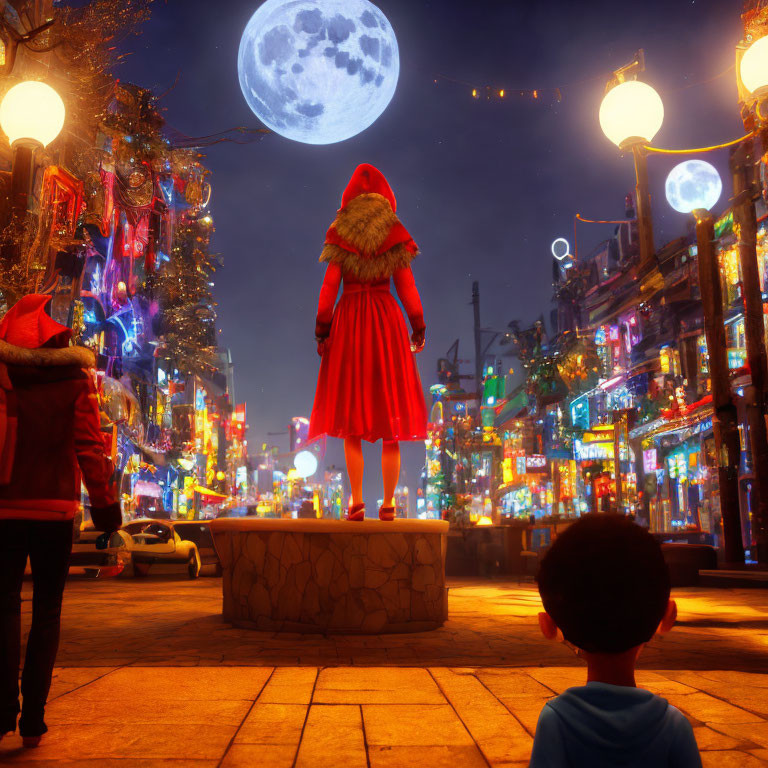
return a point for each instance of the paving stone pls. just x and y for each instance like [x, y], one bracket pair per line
[178, 683]
[730, 759]
[498, 734]
[512, 682]
[132, 741]
[117, 762]
[250, 755]
[756, 733]
[707, 739]
[66, 679]
[75, 710]
[273, 724]
[376, 685]
[426, 757]
[421, 725]
[333, 737]
[708, 709]
[290, 685]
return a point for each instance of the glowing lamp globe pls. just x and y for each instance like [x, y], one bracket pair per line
[32, 111]
[631, 113]
[305, 463]
[693, 185]
[318, 71]
[754, 67]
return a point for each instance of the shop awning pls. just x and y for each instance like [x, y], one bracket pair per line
[208, 492]
[147, 488]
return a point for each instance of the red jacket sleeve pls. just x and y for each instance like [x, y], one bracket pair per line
[405, 286]
[328, 294]
[97, 469]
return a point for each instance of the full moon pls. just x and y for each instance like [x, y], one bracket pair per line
[693, 185]
[318, 71]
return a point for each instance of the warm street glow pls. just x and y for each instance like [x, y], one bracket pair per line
[631, 113]
[32, 110]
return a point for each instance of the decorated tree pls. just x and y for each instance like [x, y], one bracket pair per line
[187, 320]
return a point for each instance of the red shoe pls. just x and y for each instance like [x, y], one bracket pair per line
[31, 742]
[386, 513]
[356, 513]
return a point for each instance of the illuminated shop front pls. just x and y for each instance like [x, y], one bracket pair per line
[680, 479]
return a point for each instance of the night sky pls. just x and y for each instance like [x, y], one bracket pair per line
[483, 187]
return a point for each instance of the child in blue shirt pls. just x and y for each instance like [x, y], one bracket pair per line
[605, 586]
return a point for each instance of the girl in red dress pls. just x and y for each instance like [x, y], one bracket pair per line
[369, 386]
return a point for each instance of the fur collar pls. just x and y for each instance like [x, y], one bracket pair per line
[45, 357]
[367, 239]
[366, 222]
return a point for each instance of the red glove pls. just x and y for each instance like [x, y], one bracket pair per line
[418, 339]
[107, 519]
[322, 345]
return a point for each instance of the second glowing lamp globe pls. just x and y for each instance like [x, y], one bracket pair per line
[754, 68]
[32, 112]
[631, 113]
[305, 464]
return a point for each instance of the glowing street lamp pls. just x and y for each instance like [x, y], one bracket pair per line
[305, 464]
[754, 68]
[631, 114]
[31, 116]
[32, 112]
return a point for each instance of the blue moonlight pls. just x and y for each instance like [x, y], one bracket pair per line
[692, 185]
[318, 71]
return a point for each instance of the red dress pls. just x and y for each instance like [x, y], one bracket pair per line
[369, 386]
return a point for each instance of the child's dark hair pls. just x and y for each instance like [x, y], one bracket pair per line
[605, 584]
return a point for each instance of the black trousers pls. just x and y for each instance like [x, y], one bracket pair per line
[48, 546]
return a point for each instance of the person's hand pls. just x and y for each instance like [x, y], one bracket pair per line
[417, 340]
[322, 345]
[107, 519]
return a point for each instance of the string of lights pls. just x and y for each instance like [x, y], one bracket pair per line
[549, 94]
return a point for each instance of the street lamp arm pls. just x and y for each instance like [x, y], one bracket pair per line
[698, 150]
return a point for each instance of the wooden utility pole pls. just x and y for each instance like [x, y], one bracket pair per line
[478, 344]
[725, 421]
[745, 221]
[643, 202]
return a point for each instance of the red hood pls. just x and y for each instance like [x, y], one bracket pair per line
[27, 325]
[366, 180]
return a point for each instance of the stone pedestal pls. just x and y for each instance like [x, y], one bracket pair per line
[335, 576]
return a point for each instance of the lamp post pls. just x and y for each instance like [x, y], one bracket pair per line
[694, 187]
[753, 90]
[32, 116]
[631, 114]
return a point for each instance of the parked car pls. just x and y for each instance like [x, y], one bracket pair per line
[170, 543]
[112, 561]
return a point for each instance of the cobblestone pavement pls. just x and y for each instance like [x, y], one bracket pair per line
[149, 675]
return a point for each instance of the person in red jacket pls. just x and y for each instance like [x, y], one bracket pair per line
[369, 387]
[49, 436]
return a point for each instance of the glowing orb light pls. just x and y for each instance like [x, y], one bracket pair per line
[305, 463]
[631, 113]
[32, 111]
[561, 248]
[754, 67]
[693, 185]
[318, 71]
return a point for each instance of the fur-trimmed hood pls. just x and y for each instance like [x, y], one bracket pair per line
[46, 357]
[367, 240]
